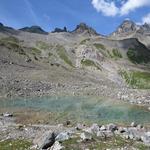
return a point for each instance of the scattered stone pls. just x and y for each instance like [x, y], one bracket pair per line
[67, 123]
[139, 126]
[133, 124]
[148, 134]
[112, 127]
[102, 128]
[101, 134]
[80, 126]
[95, 128]
[122, 130]
[86, 136]
[28, 60]
[7, 114]
[56, 146]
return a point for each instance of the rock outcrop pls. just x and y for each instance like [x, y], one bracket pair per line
[126, 28]
[58, 30]
[82, 28]
[34, 29]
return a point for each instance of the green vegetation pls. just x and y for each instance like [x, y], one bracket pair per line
[84, 41]
[15, 145]
[12, 43]
[87, 62]
[63, 55]
[99, 46]
[10, 39]
[50, 54]
[116, 53]
[115, 142]
[35, 51]
[137, 56]
[42, 45]
[102, 49]
[136, 79]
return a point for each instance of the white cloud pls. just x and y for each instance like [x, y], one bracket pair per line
[146, 19]
[109, 7]
[131, 5]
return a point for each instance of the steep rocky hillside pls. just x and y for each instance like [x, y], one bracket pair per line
[34, 63]
[128, 29]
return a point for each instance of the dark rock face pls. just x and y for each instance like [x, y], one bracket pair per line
[126, 28]
[57, 30]
[6, 29]
[1, 25]
[34, 29]
[83, 28]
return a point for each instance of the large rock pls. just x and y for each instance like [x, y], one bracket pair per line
[146, 140]
[112, 127]
[45, 140]
[63, 136]
[93, 129]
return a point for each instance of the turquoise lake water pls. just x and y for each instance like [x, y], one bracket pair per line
[90, 109]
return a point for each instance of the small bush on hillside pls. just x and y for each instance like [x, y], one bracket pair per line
[87, 62]
[116, 53]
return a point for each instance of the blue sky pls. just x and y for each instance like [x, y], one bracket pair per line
[102, 15]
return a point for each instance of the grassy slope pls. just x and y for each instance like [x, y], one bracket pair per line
[136, 79]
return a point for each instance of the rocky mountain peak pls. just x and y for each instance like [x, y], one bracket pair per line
[58, 30]
[83, 28]
[126, 28]
[33, 29]
[1, 25]
[144, 29]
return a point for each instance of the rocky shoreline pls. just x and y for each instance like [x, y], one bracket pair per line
[40, 89]
[67, 136]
